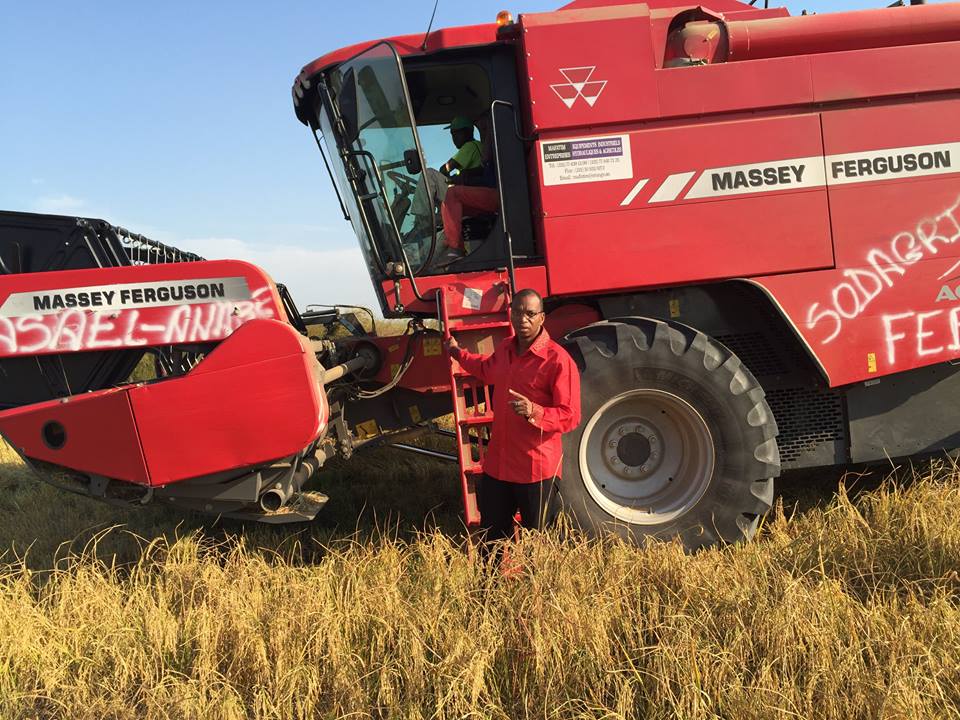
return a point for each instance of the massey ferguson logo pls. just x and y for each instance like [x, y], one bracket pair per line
[579, 84]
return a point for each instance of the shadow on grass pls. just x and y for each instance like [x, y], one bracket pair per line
[383, 493]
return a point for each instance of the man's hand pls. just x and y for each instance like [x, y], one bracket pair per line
[451, 344]
[521, 405]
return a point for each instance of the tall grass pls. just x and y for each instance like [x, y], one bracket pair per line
[848, 609]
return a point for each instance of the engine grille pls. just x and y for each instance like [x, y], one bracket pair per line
[756, 352]
[811, 421]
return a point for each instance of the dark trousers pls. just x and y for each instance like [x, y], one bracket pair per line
[499, 501]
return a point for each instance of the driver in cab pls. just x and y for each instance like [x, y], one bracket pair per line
[469, 154]
[468, 158]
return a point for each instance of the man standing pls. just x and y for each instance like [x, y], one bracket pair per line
[536, 400]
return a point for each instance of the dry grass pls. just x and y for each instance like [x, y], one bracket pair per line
[846, 610]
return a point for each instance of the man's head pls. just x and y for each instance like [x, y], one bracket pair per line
[526, 314]
[461, 130]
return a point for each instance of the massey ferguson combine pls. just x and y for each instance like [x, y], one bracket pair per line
[743, 224]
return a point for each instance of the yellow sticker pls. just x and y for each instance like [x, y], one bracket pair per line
[871, 362]
[432, 346]
[367, 429]
[394, 369]
[485, 345]
[675, 308]
[393, 348]
[415, 414]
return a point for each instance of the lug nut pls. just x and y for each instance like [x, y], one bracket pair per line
[612, 443]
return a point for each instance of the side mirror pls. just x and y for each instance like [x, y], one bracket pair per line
[411, 161]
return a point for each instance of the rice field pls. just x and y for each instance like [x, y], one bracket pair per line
[846, 606]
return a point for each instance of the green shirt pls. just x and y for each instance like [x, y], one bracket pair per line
[468, 156]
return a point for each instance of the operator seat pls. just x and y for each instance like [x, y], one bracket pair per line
[476, 227]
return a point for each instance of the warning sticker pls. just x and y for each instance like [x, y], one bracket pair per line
[583, 160]
[472, 298]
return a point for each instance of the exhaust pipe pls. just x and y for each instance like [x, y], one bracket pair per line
[287, 483]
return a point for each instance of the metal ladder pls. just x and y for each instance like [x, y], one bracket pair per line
[479, 319]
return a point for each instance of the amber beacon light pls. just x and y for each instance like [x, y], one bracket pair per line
[504, 18]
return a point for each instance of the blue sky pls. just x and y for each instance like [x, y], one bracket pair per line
[174, 119]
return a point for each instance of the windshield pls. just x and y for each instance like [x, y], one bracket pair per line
[379, 148]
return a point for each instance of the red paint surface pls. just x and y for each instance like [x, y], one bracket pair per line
[101, 434]
[253, 400]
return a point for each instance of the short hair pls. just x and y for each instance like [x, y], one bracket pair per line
[525, 293]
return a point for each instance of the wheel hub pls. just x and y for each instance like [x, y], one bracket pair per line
[634, 449]
[646, 456]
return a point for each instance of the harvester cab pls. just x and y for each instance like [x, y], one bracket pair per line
[382, 122]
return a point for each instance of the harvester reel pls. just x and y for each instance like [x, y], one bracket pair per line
[676, 438]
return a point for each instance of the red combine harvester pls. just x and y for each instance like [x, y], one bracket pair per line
[743, 224]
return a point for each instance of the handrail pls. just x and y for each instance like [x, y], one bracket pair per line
[429, 190]
[372, 160]
[508, 238]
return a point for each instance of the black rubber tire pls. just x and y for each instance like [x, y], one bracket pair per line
[625, 354]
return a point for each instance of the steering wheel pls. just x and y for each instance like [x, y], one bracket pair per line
[405, 183]
[408, 186]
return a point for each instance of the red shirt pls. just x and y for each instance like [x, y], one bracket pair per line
[525, 450]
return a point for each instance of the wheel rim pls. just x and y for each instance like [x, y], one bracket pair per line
[646, 456]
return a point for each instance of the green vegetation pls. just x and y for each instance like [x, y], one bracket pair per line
[849, 608]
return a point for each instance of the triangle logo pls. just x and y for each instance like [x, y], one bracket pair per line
[580, 84]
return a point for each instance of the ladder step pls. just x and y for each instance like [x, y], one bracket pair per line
[465, 326]
[456, 320]
[477, 420]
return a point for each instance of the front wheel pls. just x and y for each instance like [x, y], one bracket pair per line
[676, 438]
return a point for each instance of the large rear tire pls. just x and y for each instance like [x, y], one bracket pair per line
[675, 439]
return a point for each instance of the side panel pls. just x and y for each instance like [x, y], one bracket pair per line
[731, 87]
[907, 414]
[131, 307]
[97, 434]
[892, 303]
[254, 399]
[685, 204]
[904, 70]
[589, 67]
